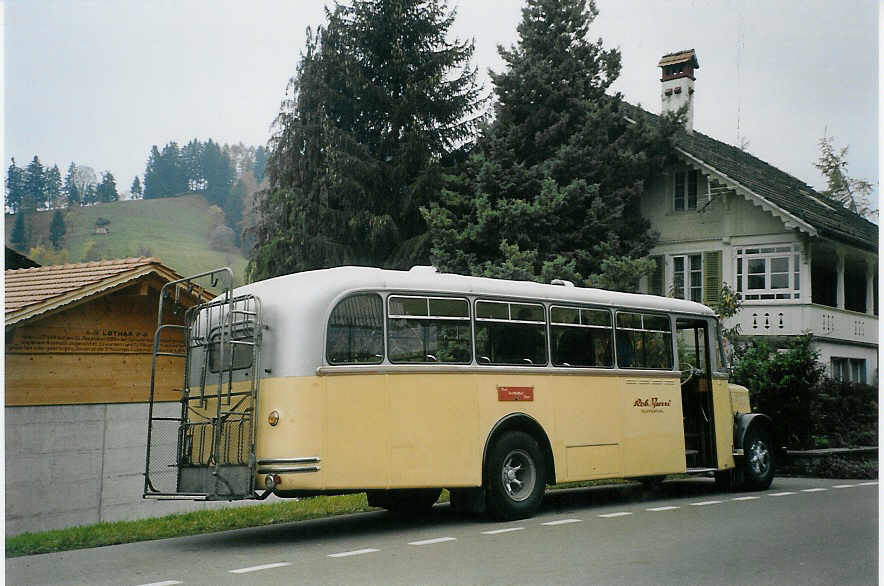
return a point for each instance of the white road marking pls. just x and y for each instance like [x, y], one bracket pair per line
[166, 583]
[612, 515]
[814, 489]
[868, 483]
[259, 568]
[561, 522]
[746, 498]
[704, 503]
[844, 486]
[499, 531]
[656, 509]
[432, 541]
[345, 554]
[784, 493]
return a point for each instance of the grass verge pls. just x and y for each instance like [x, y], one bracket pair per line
[182, 524]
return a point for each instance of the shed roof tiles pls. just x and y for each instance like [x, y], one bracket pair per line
[34, 291]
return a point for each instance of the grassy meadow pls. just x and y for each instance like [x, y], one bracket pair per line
[175, 230]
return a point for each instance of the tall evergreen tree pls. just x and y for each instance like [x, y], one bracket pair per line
[380, 101]
[53, 188]
[34, 196]
[191, 155]
[151, 174]
[260, 163]
[135, 192]
[217, 171]
[57, 229]
[15, 186]
[71, 191]
[107, 190]
[553, 188]
[19, 236]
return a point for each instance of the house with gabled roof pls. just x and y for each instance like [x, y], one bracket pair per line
[799, 261]
[79, 341]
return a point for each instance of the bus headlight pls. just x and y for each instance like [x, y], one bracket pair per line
[273, 418]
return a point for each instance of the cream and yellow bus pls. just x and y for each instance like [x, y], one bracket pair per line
[402, 383]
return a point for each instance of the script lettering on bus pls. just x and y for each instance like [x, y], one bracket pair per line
[515, 393]
[652, 404]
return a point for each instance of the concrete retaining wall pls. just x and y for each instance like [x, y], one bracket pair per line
[78, 465]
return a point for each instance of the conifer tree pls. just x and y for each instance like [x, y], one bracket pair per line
[552, 188]
[34, 195]
[107, 190]
[53, 188]
[57, 229]
[15, 186]
[380, 101]
[135, 191]
[71, 191]
[19, 236]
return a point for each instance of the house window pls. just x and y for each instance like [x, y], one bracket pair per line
[685, 191]
[770, 272]
[687, 277]
[849, 369]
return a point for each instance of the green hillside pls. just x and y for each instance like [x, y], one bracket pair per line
[175, 230]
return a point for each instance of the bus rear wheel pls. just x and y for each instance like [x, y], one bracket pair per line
[408, 501]
[515, 476]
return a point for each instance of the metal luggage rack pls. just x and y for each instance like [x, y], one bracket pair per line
[206, 451]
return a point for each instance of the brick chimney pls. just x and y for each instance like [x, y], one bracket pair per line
[677, 87]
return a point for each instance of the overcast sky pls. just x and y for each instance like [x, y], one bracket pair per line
[99, 82]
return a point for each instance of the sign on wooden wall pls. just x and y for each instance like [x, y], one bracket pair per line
[89, 340]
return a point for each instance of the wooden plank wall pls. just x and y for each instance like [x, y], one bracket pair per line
[96, 352]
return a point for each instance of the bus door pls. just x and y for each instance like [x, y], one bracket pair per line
[693, 338]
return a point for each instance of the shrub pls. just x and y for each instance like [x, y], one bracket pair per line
[102, 221]
[222, 238]
[782, 385]
[845, 414]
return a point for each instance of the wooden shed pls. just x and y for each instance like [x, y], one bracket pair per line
[83, 333]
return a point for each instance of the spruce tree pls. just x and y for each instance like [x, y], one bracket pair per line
[152, 174]
[57, 229]
[34, 195]
[380, 102]
[135, 191]
[107, 190]
[19, 236]
[553, 187]
[15, 186]
[53, 188]
[71, 191]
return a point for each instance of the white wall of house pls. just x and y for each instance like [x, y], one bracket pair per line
[729, 223]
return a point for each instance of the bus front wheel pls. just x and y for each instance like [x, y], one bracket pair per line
[758, 459]
[515, 476]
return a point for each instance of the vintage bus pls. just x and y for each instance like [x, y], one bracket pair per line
[402, 383]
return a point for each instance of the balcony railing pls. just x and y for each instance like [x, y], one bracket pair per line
[793, 319]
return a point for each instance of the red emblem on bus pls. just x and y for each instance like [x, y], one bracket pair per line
[515, 393]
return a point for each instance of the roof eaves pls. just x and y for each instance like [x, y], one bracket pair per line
[790, 220]
[82, 294]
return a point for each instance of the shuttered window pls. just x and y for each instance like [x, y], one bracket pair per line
[711, 276]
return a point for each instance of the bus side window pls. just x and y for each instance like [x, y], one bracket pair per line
[510, 333]
[428, 329]
[581, 337]
[644, 340]
[356, 331]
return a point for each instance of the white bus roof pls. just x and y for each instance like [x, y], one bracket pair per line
[328, 284]
[296, 307]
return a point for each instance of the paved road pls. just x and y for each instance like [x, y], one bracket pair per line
[801, 531]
